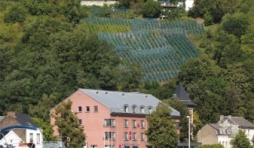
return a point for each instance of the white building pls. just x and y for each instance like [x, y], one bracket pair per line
[98, 3]
[17, 136]
[225, 130]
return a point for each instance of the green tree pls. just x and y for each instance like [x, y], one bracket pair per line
[183, 109]
[151, 9]
[161, 131]
[235, 24]
[16, 13]
[196, 69]
[208, 19]
[41, 110]
[47, 129]
[215, 9]
[241, 140]
[68, 126]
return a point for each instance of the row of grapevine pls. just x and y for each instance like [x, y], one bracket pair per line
[158, 53]
[187, 27]
[158, 47]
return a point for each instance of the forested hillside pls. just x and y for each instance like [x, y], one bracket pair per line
[221, 80]
[48, 51]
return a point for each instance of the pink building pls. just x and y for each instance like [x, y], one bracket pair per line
[114, 119]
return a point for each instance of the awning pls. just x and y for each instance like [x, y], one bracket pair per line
[135, 144]
[17, 126]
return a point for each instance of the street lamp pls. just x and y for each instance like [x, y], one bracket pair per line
[188, 117]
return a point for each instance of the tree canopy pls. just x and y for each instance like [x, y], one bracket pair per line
[68, 126]
[151, 9]
[161, 131]
[183, 109]
[241, 140]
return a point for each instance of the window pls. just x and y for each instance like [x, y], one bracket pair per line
[31, 136]
[134, 136]
[125, 123]
[87, 109]
[93, 146]
[109, 146]
[142, 136]
[177, 125]
[150, 109]
[95, 108]
[109, 122]
[38, 138]
[109, 135]
[80, 121]
[80, 109]
[134, 123]
[126, 109]
[133, 109]
[142, 123]
[142, 109]
[125, 135]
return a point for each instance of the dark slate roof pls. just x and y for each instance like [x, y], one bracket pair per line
[220, 130]
[183, 96]
[24, 119]
[243, 123]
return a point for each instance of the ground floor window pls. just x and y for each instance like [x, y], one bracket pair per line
[109, 146]
[93, 146]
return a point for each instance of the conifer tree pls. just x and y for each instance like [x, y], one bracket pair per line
[241, 141]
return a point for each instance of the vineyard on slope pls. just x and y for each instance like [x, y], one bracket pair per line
[158, 47]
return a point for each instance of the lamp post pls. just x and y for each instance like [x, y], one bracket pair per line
[188, 117]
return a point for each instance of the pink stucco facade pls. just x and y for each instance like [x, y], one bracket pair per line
[92, 116]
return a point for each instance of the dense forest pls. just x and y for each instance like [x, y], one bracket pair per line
[47, 52]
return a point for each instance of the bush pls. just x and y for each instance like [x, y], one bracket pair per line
[151, 9]
[16, 13]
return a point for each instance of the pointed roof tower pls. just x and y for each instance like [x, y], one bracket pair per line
[183, 96]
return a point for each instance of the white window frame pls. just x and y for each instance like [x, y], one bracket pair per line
[134, 136]
[142, 136]
[125, 136]
[109, 122]
[142, 123]
[38, 138]
[134, 123]
[125, 122]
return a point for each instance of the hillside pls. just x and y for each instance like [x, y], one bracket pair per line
[48, 50]
[159, 48]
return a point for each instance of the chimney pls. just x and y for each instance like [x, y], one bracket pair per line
[221, 117]
[11, 113]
